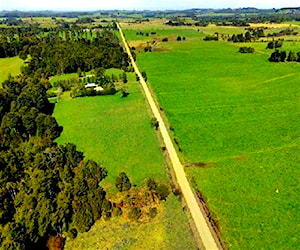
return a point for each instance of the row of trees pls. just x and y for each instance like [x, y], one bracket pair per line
[249, 36]
[282, 56]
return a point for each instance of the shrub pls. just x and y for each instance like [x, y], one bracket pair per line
[152, 212]
[246, 50]
[135, 213]
[151, 184]
[72, 233]
[211, 38]
[162, 191]
[122, 182]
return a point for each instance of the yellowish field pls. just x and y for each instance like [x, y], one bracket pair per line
[274, 25]
[10, 65]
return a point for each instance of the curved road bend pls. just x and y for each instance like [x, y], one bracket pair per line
[206, 236]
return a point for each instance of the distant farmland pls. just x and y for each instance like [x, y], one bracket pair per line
[238, 116]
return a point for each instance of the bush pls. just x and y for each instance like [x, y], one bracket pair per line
[162, 191]
[144, 75]
[152, 212]
[135, 213]
[165, 39]
[151, 184]
[122, 182]
[274, 44]
[116, 211]
[211, 38]
[246, 50]
[72, 233]
[278, 56]
[154, 123]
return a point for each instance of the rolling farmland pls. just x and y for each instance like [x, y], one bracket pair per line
[238, 116]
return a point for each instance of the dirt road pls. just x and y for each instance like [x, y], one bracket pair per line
[206, 236]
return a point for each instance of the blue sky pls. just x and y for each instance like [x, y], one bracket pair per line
[139, 4]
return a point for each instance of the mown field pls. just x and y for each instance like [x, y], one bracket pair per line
[10, 65]
[238, 114]
[117, 133]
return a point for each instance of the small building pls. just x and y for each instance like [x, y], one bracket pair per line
[93, 86]
[98, 88]
[90, 85]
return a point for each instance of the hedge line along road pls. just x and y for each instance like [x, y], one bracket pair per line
[208, 239]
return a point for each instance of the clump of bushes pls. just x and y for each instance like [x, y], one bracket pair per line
[211, 38]
[122, 182]
[275, 44]
[246, 50]
[161, 190]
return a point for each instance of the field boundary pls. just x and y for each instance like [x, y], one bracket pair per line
[208, 238]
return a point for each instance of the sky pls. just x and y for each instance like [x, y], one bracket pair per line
[83, 5]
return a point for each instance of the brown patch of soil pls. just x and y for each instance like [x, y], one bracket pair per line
[240, 157]
[199, 165]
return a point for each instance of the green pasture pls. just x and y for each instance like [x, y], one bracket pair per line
[9, 65]
[57, 78]
[116, 132]
[239, 115]
[132, 35]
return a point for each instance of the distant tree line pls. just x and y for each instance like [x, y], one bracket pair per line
[11, 21]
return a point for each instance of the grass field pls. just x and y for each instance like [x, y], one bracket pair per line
[106, 130]
[56, 78]
[10, 65]
[117, 133]
[239, 115]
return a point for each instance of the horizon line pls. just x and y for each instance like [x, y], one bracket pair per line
[138, 10]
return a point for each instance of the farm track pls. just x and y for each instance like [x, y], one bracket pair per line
[208, 238]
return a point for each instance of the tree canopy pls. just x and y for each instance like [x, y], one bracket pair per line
[45, 189]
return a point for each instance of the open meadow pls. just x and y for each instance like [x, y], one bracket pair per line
[105, 129]
[237, 116]
[10, 65]
[117, 133]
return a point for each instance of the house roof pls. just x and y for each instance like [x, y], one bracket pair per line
[90, 85]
